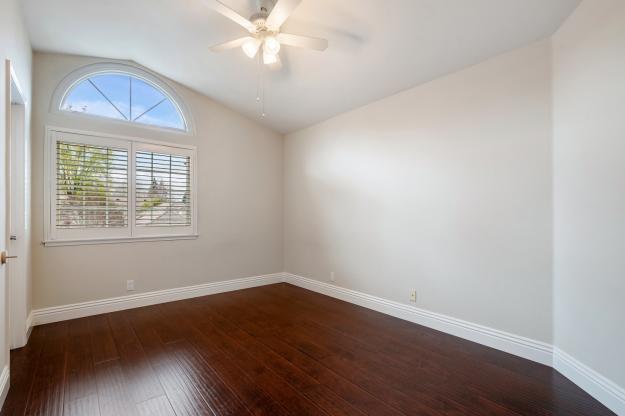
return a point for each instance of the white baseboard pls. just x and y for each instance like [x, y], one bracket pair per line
[538, 351]
[598, 386]
[29, 325]
[602, 389]
[79, 310]
[4, 385]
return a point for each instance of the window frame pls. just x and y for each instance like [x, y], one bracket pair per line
[83, 73]
[132, 233]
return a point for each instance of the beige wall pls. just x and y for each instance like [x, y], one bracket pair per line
[14, 45]
[239, 196]
[444, 188]
[589, 181]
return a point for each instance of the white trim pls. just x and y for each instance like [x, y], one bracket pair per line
[598, 386]
[17, 109]
[95, 307]
[601, 388]
[132, 144]
[15, 80]
[115, 240]
[29, 326]
[51, 128]
[534, 350]
[82, 73]
[5, 383]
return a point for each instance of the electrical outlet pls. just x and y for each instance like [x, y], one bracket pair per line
[332, 277]
[413, 296]
[130, 285]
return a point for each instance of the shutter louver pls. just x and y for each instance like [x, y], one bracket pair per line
[162, 190]
[91, 186]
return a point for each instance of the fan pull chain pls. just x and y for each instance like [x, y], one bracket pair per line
[260, 86]
[262, 91]
[258, 78]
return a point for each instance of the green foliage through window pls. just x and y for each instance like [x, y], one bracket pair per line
[91, 186]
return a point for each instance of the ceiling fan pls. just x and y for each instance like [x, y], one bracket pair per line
[264, 28]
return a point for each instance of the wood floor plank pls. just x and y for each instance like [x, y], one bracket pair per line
[24, 364]
[121, 329]
[157, 406]
[211, 387]
[412, 356]
[80, 379]
[183, 396]
[139, 376]
[83, 406]
[263, 384]
[357, 397]
[47, 391]
[114, 397]
[393, 398]
[180, 390]
[276, 350]
[102, 343]
[141, 380]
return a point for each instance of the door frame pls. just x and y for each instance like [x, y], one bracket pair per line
[17, 319]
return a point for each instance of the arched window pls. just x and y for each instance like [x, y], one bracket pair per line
[123, 93]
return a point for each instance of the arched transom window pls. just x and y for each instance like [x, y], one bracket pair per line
[126, 97]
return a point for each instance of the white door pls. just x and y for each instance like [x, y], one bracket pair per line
[16, 268]
[17, 206]
[4, 213]
[13, 126]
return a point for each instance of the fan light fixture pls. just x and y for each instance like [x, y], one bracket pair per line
[250, 47]
[272, 46]
[264, 31]
[269, 58]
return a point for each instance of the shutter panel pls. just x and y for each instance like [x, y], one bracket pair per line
[162, 190]
[91, 186]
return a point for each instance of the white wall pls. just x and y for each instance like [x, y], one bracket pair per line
[589, 185]
[14, 45]
[239, 195]
[445, 188]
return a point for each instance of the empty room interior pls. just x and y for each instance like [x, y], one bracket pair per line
[312, 207]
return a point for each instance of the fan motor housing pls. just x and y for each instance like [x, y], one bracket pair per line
[266, 5]
[259, 19]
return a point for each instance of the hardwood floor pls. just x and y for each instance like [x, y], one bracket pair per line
[274, 350]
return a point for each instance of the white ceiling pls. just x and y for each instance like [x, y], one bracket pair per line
[377, 47]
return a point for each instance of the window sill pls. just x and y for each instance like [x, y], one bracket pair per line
[116, 240]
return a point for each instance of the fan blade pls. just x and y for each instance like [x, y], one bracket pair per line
[303, 41]
[281, 11]
[230, 45]
[231, 14]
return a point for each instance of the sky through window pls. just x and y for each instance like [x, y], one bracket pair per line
[123, 97]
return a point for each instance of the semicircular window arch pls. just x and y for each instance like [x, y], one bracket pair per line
[126, 97]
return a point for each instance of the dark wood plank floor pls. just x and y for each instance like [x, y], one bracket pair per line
[275, 350]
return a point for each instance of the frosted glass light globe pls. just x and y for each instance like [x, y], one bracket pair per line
[250, 47]
[272, 46]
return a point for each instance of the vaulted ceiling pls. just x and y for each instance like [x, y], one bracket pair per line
[377, 47]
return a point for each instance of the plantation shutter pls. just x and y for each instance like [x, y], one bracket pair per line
[162, 189]
[91, 186]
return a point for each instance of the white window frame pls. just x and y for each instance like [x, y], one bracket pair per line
[56, 237]
[112, 67]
